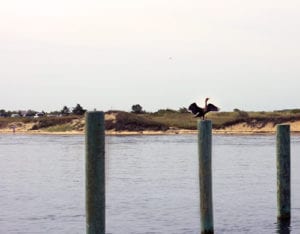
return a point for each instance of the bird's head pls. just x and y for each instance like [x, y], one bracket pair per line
[206, 99]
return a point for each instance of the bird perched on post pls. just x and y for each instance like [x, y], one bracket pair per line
[200, 112]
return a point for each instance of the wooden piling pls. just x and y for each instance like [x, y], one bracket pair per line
[205, 175]
[283, 172]
[95, 172]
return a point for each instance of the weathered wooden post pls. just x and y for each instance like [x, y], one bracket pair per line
[283, 172]
[205, 175]
[95, 172]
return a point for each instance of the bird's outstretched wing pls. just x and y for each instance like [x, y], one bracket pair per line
[211, 107]
[196, 110]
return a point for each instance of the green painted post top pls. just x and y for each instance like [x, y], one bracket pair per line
[283, 139]
[204, 134]
[94, 134]
[204, 127]
[283, 128]
[206, 123]
[94, 120]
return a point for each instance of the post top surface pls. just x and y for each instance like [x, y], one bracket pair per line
[287, 126]
[204, 121]
[94, 112]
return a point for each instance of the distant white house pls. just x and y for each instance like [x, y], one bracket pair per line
[39, 114]
[15, 116]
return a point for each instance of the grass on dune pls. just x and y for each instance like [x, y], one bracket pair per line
[188, 121]
[60, 128]
[223, 119]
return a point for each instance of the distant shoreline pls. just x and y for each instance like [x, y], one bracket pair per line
[147, 133]
[168, 123]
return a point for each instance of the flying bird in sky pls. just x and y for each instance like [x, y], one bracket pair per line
[200, 112]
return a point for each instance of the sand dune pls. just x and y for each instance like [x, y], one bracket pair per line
[244, 128]
[235, 129]
[240, 128]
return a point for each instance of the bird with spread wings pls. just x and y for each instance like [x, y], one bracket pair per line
[200, 112]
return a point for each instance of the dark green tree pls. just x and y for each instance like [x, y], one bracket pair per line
[78, 110]
[30, 113]
[65, 111]
[3, 113]
[137, 109]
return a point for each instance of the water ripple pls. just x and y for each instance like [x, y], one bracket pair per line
[152, 184]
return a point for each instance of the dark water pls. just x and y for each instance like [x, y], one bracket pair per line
[152, 184]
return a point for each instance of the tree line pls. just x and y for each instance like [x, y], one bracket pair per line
[138, 109]
[77, 110]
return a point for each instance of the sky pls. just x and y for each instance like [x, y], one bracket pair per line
[157, 53]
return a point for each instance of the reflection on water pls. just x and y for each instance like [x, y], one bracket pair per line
[283, 226]
[152, 184]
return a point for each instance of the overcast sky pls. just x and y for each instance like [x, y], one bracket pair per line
[156, 53]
